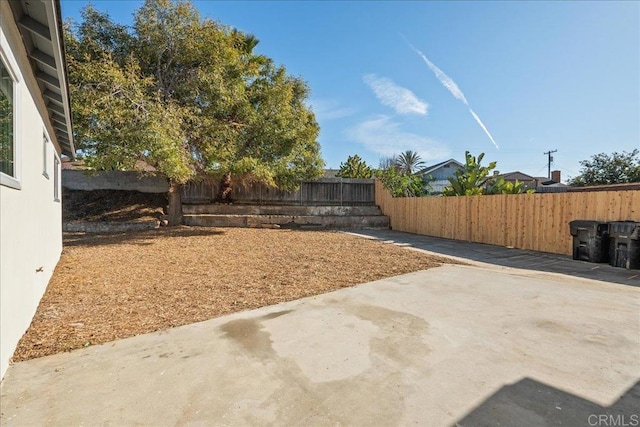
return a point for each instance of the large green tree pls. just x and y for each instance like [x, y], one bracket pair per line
[188, 96]
[401, 184]
[615, 168]
[354, 167]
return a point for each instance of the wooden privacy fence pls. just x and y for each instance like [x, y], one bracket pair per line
[537, 222]
[322, 192]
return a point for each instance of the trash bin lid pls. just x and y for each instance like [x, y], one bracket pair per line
[591, 226]
[630, 229]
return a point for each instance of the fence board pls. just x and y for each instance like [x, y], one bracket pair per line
[347, 192]
[537, 221]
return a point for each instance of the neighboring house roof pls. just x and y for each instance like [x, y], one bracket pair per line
[40, 24]
[549, 182]
[433, 168]
[517, 175]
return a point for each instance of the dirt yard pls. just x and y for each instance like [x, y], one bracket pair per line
[113, 286]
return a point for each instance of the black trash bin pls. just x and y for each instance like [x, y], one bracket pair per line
[624, 246]
[590, 240]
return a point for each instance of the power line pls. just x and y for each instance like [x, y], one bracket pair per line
[565, 169]
[541, 168]
[548, 153]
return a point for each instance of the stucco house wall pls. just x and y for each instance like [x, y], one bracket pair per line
[30, 206]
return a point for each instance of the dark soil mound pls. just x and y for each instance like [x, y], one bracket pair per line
[112, 205]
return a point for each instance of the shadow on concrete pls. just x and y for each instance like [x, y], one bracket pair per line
[141, 237]
[532, 403]
[509, 257]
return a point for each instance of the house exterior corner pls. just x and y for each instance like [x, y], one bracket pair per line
[35, 131]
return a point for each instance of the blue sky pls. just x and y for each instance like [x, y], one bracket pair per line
[539, 76]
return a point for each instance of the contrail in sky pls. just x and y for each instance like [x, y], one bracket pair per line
[484, 128]
[452, 87]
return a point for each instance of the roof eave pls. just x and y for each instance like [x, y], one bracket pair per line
[40, 25]
[54, 15]
[439, 165]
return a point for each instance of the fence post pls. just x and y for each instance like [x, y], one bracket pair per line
[341, 190]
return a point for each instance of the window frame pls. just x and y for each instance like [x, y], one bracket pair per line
[57, 172]
[45, 155]
[10, 65]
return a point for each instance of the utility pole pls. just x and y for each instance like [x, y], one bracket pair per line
[548, 153]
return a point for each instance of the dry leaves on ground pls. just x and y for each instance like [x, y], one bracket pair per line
[113, 286]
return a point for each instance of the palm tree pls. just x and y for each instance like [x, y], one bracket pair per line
[409, 162]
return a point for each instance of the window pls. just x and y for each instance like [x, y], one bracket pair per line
[10, 167]
[45, 156]
[7, 143]
[56, 178]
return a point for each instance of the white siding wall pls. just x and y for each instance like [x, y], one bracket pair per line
[436, 187]
[30, 219]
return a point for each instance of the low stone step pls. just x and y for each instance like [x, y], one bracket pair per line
[235, 209]
[290, 221]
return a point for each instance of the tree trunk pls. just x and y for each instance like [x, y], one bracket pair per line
[174, 212]
[224, 191]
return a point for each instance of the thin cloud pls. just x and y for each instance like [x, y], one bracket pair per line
[384, 137]
[390, 94]
[452, 87]
[330, 110]
[484, 128]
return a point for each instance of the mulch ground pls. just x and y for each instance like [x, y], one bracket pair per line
[113, 286]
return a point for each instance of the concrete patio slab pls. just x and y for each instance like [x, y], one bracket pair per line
[482, 254]
[461, 345]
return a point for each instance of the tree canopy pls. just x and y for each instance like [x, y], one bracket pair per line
[615, 168]
[474, 179]
[354, 167]
[409, 162]
[401, 184]
[471, 179]
[189, 96]
[397, 175]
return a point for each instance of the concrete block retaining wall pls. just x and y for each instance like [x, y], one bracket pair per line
[108, 227]
[114, 180]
